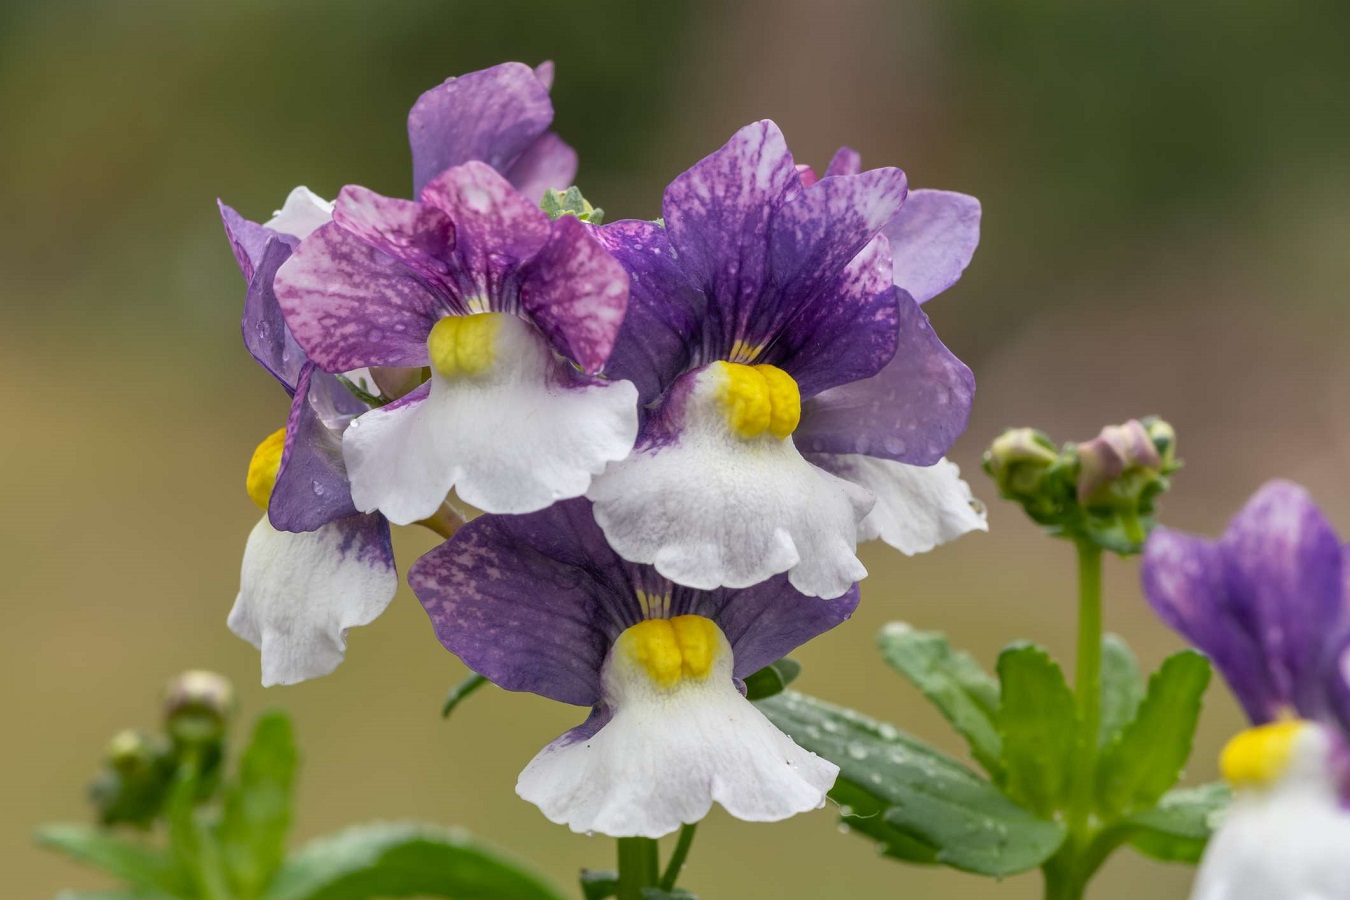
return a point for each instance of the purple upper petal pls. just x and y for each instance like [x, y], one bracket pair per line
[312, 487]
[534, 602]
[247, 239]
[932, 241]
[548, 163]
[493, 115]
[911, 412]
[846, 161]
[1268, 602]
[576, 293]
[264, 328]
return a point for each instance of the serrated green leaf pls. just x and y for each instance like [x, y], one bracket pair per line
[772, 679]
[1122, 688]
[152, 871]
[954, 682]
[257, 811]
[599, 885]
[926, 795]
[863, 813]
[1179, 827]
[1146, 759]
[1039, 721]
[460, 691]
[404, 860]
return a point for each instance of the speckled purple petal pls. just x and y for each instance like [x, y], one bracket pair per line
[247, 239]
[534, 602]
[1184, 581]
[718, 215]
[312, 487]
[496, 229]
[846, 161]
[932, 241]
[492, 115]
[264, 328]
[1284, 571]
[548, 163]
[661, 330]
[911, 412]
[352, 305]
[418, 235]
[576, 293]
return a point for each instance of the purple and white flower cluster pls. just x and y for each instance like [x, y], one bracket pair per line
[677, 432]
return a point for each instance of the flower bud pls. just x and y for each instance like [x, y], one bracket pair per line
[1017, 458]
[133, 753]
[1118, 450]
[133, 787]
[197, 707]
[570, 203]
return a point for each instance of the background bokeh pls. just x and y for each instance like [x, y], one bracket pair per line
[1166, 190]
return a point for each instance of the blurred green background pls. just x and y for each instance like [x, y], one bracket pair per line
[1166, 190]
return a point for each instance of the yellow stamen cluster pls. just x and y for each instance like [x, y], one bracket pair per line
[263, 468]
[759, 399]
[464, 345]
[671, 650]
[1258, 756]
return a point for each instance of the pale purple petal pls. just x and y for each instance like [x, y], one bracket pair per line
[352, 305]
[418, 235]
[766, 622]
[544, 72]
[1185, 583]
[247, 239]
[264, 328]
[492, 115]
[548, 163]
[312, 487]
[576, 293]
[1283, 566]
[846, 161]
[911, 412]
[932, 241]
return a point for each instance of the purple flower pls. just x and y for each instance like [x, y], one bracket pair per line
[793, 389]
[1269, 602]
[541, 603]
[513, 315]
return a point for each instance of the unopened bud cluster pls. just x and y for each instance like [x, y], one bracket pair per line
[1102, 490]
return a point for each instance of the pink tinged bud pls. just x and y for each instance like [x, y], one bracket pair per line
[1117, 450]
[808, 175]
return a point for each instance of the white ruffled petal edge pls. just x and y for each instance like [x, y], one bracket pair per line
[917, 507]
[510, 443]
[300, 592]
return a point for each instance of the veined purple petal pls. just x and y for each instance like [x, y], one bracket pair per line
[1285, 576]
[910, 412]
[576, 293]
[548, 163]
[534, 602]
[247, 239]
[418, 235]
[352, 305]
[846, 161]
[660, 335]
[264, 328]
[492, 115]
[932, 241]
[312, 487]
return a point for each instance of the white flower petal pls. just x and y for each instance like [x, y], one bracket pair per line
[1288, 841]
[917, 508]
[666, 756]
[510, 441]
[302, 213]
[300, 592]
[711, 509]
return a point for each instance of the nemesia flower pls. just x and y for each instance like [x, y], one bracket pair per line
[313, 566]
[1270, 604]
[759, 315]
[514, 315]
[541, 603]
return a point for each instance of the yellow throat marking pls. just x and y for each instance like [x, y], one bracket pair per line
[1258, 756]
[671, 650]
[464, 345]
[758, 399]
[263, 468]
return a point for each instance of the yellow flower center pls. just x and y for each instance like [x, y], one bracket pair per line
[1258, 756]
[671, 650]
[263, 468]
[758, 399]
[464, 345]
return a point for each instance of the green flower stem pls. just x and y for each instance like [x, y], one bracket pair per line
[678, 857]
[639, 867]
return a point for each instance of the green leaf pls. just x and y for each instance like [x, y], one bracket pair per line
[403, 860]
[651, 893]
[932, 799]
[1177, 829]
[953, 682]
[1146, 759]
[460, 691]
[147, 868]
[599, 885]
[257, 812]
[772, 679]
[862, 812]
[1122, 688]
[1039, 722]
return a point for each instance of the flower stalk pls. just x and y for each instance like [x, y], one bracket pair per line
[639, 866]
